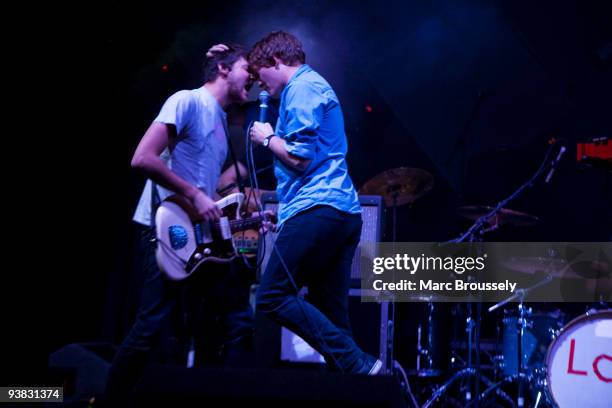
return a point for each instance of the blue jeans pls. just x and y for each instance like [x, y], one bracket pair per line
[315, 248]
[222, 288]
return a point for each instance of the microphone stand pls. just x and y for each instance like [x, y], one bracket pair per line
[475, 234]
[478, 227]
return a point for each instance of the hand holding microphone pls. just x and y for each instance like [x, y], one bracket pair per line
[260, 130]
[264, 97]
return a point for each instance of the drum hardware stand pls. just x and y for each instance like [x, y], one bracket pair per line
[423, 351]
[405, 383]
[442, 389]
[472, 370]
[473, 326]
[398, 186]
[473, 333]
[394, 190]
[521, 323]
[475, 233]
[496, 387]
[466, 372]
[390, 321]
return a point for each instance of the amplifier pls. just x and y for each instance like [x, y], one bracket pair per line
[596, 152]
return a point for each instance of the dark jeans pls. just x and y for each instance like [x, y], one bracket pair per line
[315, 248]
[222, 291]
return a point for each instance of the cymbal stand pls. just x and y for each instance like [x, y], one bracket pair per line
[479, 226]
[391, 317]
[473, 323]
[394, 190]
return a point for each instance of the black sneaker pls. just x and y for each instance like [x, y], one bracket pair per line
[369, 365]
[376, 367]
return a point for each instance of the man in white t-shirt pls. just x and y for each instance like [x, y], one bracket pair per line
[182, 153]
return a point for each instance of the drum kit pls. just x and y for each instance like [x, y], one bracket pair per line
[538, 357]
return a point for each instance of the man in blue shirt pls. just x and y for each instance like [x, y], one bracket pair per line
[319, 213]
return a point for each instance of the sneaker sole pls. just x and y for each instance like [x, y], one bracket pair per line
[375, 368]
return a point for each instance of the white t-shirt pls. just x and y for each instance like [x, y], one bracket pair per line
[200, 148]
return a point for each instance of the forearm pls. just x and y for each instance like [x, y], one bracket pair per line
[260, 132]
[278, 146]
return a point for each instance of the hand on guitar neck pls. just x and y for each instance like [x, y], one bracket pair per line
[253, 197]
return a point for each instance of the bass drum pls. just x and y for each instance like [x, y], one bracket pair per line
[579, 362]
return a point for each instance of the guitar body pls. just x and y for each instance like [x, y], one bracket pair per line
[183, 245]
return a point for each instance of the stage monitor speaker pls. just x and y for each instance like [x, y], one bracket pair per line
[371, 232]
[85, 366]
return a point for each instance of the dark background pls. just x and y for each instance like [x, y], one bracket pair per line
[96, 75]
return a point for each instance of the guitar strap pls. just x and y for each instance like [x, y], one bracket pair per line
[233, 156]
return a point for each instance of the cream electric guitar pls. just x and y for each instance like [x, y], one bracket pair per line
[183, 244]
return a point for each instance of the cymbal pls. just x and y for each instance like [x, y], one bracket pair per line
[405, 184]
[555, 267]
[504, 216]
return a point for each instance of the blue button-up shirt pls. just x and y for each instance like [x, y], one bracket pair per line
[311, 123]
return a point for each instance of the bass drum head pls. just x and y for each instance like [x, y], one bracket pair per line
[579, 362]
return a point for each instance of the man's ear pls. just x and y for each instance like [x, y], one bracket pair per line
[223, 70]
[277, 62]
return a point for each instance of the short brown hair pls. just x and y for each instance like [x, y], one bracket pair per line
[284, 46]
[224, 58]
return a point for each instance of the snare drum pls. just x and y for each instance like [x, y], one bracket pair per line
[579, 362]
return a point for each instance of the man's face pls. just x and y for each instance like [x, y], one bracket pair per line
[271, 80]
[239, 81]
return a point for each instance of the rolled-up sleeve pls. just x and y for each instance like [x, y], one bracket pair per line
[305, 106]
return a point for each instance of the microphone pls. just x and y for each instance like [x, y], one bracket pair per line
[264, 97]
[554, 163]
